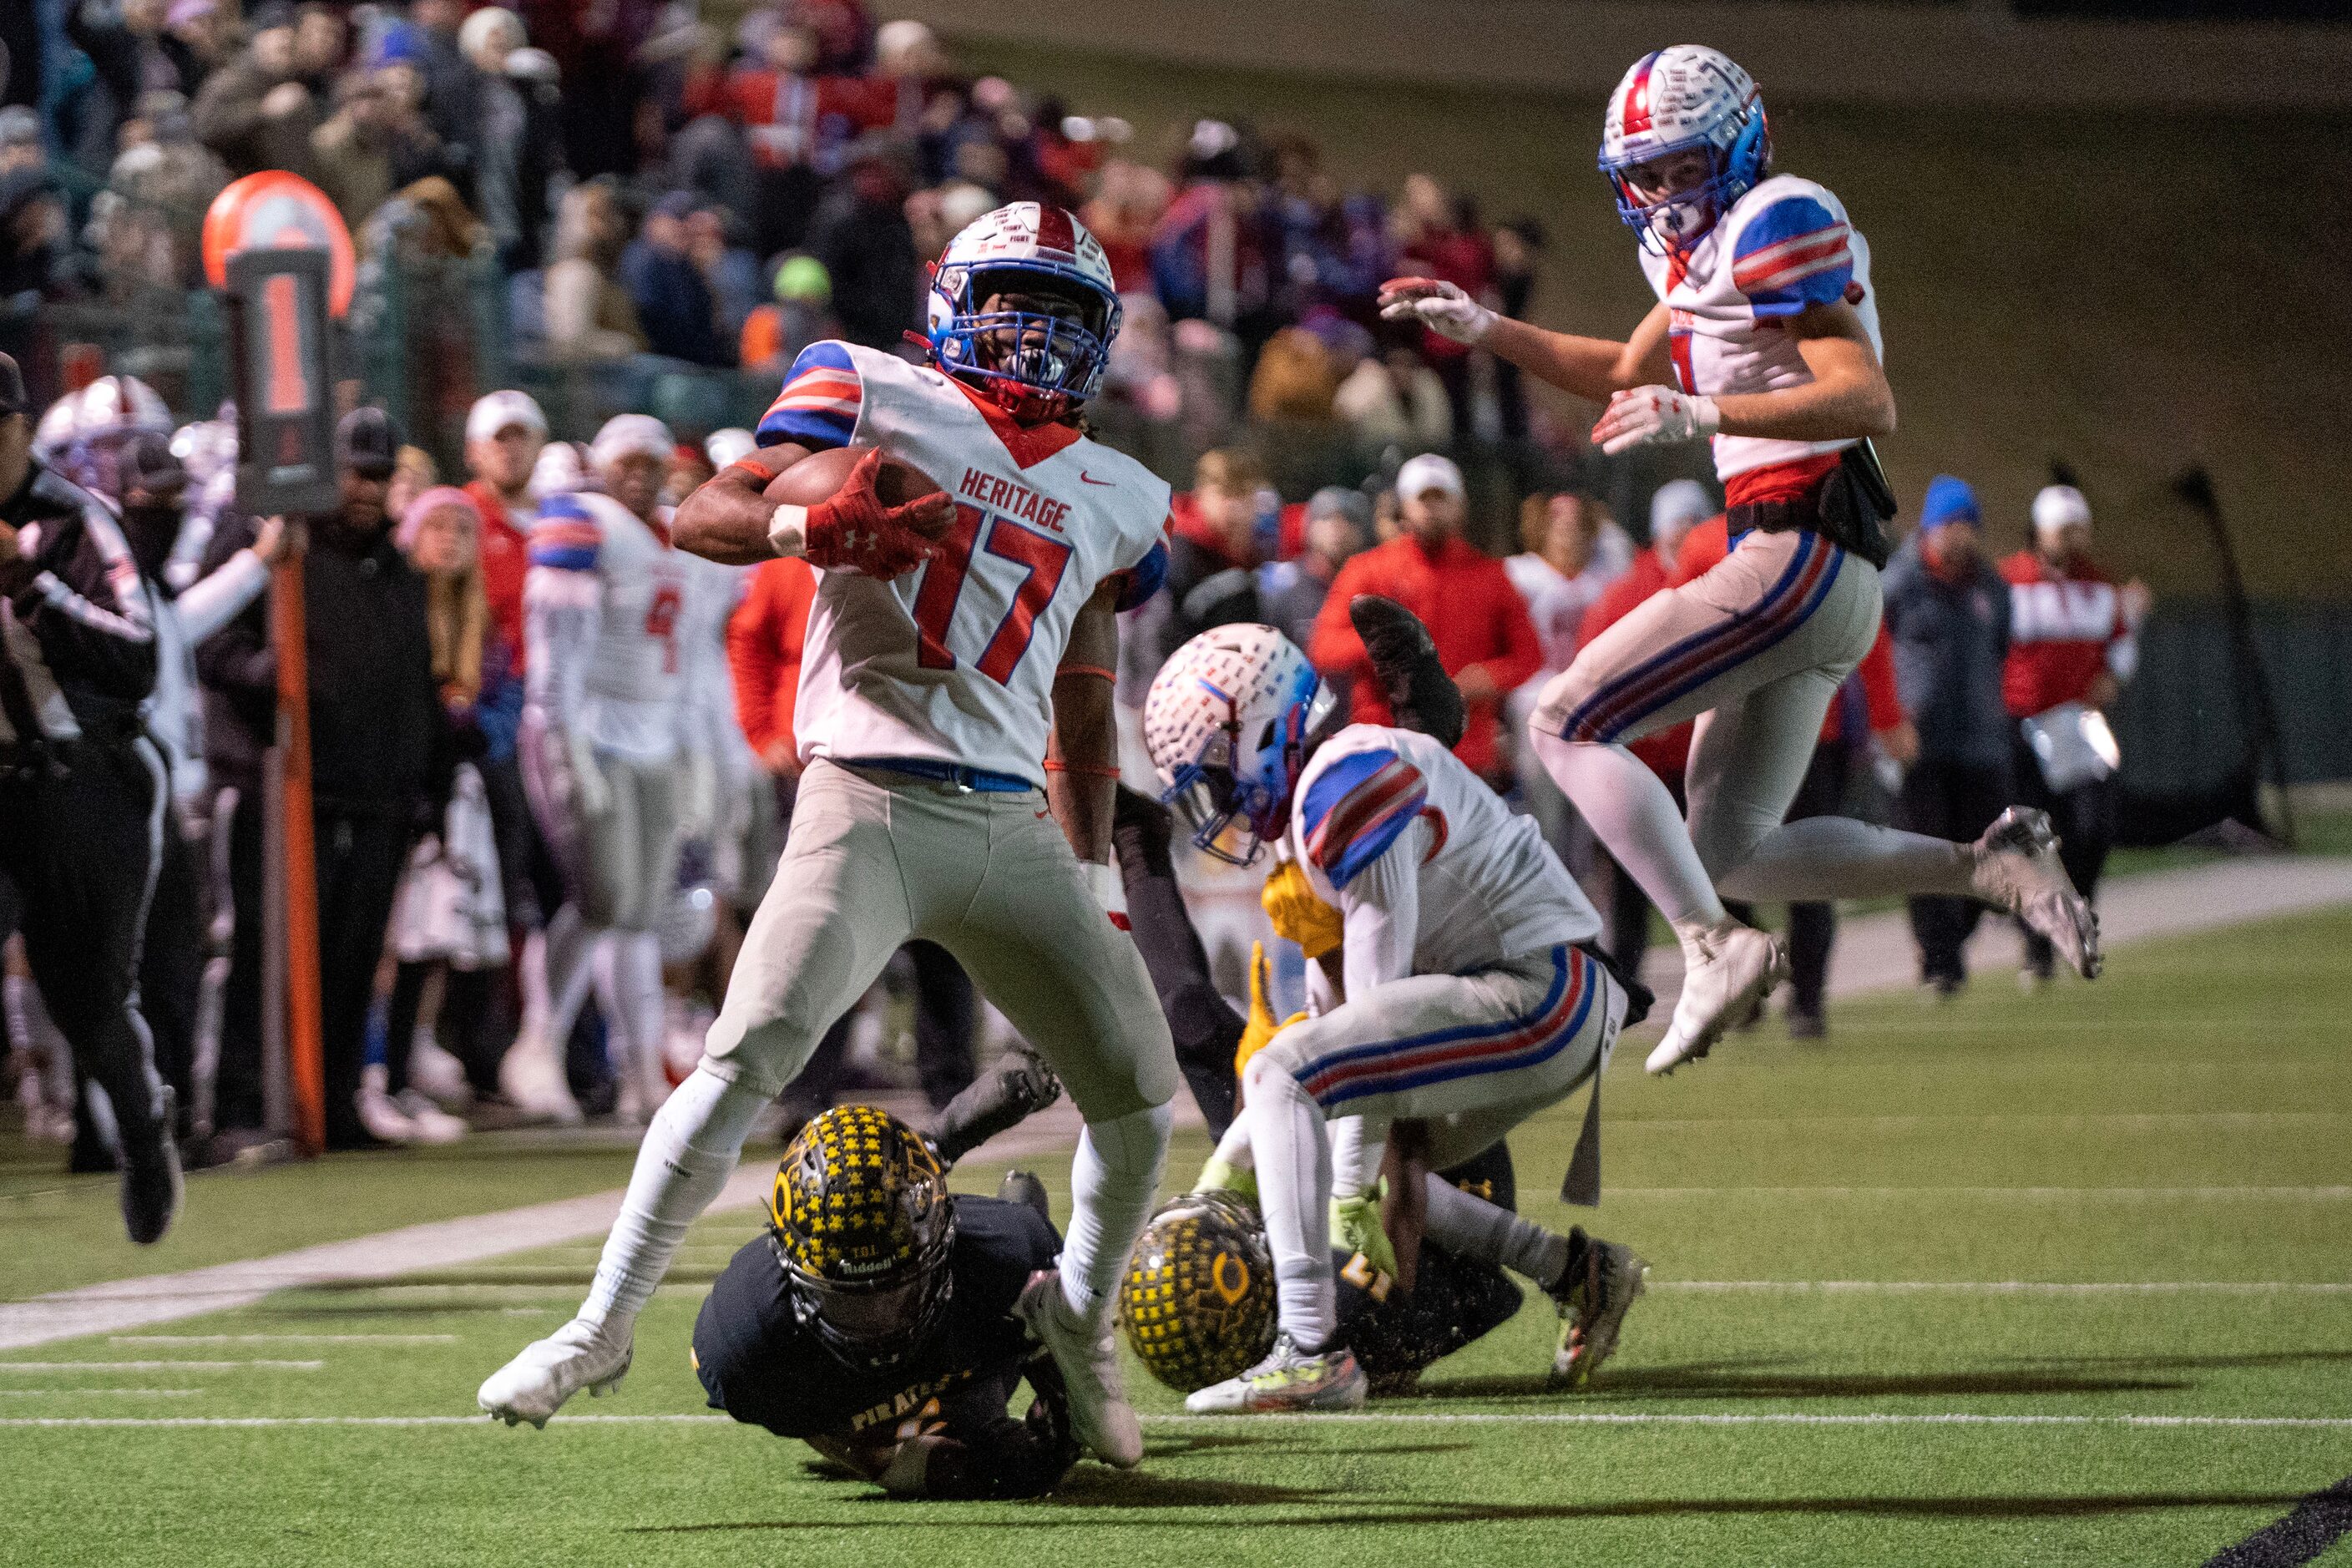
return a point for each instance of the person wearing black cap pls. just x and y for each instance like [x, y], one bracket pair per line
[150, 486]
[81, 793]
[380, 753]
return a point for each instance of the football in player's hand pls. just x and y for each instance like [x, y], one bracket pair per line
[818, 475]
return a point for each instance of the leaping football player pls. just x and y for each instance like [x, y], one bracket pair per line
[1469, 994]
[1766, 340]
[955, 696]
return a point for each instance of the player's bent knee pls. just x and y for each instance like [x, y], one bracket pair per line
[1133, 1144]
[1726, 840]
[1564, 710]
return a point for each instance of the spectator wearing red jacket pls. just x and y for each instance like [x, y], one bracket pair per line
[1477, 619]
[2072, 638]
[504, 433]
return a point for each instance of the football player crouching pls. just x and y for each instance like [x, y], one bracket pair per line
[1465, 997]
[1197, 1303]
[873, 1320]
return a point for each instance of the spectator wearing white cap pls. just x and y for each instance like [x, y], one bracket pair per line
[2073, 643]
[505, 436]
[505, 432]
[1477, 619]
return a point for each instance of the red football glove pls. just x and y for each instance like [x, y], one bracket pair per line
[852, 530]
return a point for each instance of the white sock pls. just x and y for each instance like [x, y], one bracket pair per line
[1294, 1189]
[1357, 1147]
[1824, 857]
[567, 972]
[690, 1150]
[631, 984]
[1113, 1180]
[1632, 814]
[1233, 1148]
[1489, 1232]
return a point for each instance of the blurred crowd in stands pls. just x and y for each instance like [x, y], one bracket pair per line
[651, 184]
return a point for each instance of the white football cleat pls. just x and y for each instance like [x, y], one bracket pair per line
[430, 1122]
[1100, 1416]
[378, 1113]
[1288, 1379]
[2017, 869]
[1727, 971]
[534, 1386]
[532, 1076]
[1593, 1301]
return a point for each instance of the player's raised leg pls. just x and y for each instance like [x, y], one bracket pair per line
[836, 912]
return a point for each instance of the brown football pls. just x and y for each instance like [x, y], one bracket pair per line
[816, 477]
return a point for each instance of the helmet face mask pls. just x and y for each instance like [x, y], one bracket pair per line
[861, 1221]
[1023, 308]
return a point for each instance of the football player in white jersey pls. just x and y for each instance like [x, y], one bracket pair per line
[617, 760]
[1768, 329]
[955, 700]
[1469, 994]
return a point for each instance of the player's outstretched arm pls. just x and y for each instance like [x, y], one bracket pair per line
[728, 519]
[1589, 367]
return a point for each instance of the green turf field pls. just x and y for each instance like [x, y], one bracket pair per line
[1876, 1334]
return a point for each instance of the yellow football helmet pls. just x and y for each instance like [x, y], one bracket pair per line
[1198, 1299]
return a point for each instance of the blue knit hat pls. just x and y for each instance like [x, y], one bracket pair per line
[1948, 499]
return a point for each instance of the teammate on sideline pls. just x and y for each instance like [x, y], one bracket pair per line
[944, 716]
[614, 750]
[1468, 996]
[1767, 327]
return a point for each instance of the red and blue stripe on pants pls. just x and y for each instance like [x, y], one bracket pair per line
[1392, 1067]
[1625, 700]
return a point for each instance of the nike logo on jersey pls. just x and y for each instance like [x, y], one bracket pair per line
[1088, 479]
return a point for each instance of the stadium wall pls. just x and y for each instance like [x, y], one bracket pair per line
[1925, 52]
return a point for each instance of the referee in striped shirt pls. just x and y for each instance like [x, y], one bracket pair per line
[82, 790]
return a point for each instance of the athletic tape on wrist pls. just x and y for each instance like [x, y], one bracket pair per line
[788, 530]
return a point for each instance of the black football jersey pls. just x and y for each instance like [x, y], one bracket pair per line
[761, 1366]
[1454, 1300]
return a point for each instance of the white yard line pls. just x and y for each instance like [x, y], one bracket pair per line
[2014, 1287]
[60, 1392]
[281, 1339]
[1388, 1417]
[161, 1365]
[2070, 1194]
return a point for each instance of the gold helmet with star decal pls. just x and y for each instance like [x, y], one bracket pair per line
[861, 1220]
[1197, 1296]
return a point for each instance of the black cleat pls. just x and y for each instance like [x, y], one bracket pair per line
[1420, 695]
[1024, 1187]
[151, 1185]
[1016, 1087]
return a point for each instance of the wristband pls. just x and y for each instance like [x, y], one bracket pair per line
[788, 530]
[1091, 769]
[1097, 670]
